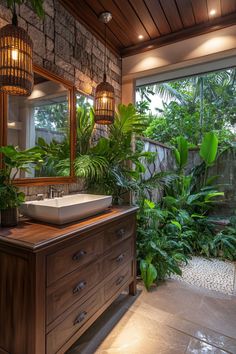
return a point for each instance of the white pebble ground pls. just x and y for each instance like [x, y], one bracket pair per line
[212, 274]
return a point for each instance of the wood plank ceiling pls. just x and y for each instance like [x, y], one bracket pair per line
[140, 25]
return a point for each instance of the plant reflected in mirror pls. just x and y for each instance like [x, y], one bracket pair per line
[42, 119]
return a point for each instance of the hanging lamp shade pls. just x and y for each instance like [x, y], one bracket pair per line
[104, 103]
[16, 60]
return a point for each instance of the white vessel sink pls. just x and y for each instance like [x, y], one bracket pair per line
[67, 209]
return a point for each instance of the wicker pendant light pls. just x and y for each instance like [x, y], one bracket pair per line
[105, 94]
[16, 63]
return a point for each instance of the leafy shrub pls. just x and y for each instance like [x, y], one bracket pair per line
[179, 227]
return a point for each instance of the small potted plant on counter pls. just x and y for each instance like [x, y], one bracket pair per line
[12, 162]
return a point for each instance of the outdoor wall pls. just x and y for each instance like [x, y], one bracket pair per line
[65, 47]
[163, 162]
[224, 168]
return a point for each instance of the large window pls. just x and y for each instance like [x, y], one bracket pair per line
[190, 107]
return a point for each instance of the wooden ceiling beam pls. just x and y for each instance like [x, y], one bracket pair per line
[203, 28]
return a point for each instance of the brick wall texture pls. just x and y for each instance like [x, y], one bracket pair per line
[65, 47]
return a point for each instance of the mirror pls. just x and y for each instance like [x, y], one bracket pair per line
[44, 119]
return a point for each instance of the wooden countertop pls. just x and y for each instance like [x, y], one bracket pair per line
[35, 235]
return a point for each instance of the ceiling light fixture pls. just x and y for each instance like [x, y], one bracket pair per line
[140, 36]
[16, 59]
[212, 12]
[105, 94]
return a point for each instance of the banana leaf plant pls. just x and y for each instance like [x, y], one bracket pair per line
[208, 151]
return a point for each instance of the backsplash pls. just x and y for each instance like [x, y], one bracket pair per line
[32, 192]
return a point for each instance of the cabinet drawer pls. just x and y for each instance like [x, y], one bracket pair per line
[73, 322]
[73, 257]
[70, 289]
[119, 231]
[118, 256]
[114, 284]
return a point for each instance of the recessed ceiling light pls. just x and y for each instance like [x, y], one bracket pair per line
[140, 36]
[212, 12]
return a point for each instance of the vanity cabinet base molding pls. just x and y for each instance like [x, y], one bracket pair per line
[55, 281]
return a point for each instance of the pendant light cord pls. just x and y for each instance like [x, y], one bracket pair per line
[105, 53]
[14, 15]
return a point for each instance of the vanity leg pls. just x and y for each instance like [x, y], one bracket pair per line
[133, 288]
[133, 285]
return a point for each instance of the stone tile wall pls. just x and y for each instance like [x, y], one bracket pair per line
[32, 192]
[65, 47]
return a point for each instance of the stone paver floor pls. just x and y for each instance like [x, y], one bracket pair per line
[174, 318]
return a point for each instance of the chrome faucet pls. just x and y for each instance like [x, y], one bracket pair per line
[51, 193]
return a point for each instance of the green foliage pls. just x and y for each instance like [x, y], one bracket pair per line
[148, 272]
[13, 162]
[181, 152]
[55, 156]
[182, 103]
[107, 165]
[179, 226]
[84, 127]
[37, 5]
[10, 197]
[53, 117]
[209, 147]
[110, 166]
[155, 245]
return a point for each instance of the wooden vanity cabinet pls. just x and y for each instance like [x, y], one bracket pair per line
[55, 281]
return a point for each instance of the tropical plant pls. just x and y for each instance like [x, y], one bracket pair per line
[111, 166]
[14, 161]
[53, 116]
[179, 226]
[181, 152]
[148, 272]
[52, 153]
[193, 106]
[224, 244]
[158, 254]
[85, 123]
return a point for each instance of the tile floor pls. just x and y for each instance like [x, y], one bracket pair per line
[173, 318]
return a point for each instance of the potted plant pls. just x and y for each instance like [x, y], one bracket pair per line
[12, 162]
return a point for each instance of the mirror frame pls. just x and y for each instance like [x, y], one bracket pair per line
[37, 181]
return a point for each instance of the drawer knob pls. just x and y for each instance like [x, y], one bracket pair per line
[121, 232]
[120, 258]
[120, 279]
[79, 287]
[80, 317]
[77, 256]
